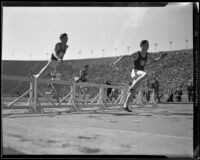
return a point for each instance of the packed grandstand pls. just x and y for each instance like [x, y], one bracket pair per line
[173, 71]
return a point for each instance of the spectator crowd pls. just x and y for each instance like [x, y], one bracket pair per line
[170, 76]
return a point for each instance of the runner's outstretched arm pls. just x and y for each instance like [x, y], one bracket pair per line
[161, 56]
[120, 58]
[134, 56]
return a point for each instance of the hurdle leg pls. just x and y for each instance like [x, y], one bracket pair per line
[74, 102]
[138, 101]
[73, 98]
[101, 98]
[30, 99]
[35, 96]
[123, 96]
[152, 99]
[35, 100]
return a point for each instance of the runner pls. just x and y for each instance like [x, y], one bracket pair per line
[54, 62]
[83, 78]
[109, 91]
[138, 74]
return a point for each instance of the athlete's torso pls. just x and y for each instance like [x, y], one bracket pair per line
[140, 62]
[62, 48]
[83, 74]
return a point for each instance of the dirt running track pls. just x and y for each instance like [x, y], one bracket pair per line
[164, 130]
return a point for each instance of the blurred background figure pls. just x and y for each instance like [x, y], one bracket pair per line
[109, 91]
[114, 95]
[190, 91]
[171, 96]
[155, 86]
[83, 78]
[178, 94]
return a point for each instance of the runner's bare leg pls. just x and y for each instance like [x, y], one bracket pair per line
[135, 85]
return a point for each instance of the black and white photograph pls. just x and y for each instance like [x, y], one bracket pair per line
[98, 79]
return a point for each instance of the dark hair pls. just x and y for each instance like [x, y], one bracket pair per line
[108, 82]
[143, 42]
[63, 35]
[86, 66]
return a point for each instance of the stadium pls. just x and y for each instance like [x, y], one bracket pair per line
[171, 113]
[62, 113]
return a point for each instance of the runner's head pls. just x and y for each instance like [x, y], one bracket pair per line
[108, 82]
[144, 45]
[64, 37]
[86, 66]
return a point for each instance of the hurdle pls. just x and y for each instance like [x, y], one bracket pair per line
[140, 100]
[34, 105]
[121, 98]
[71, 101]
[100, 98]
[30, 92]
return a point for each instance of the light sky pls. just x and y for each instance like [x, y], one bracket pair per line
[30, 33]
